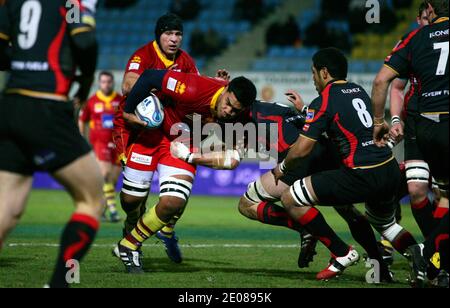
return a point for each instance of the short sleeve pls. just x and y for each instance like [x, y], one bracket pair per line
[316, 119]
[138, 62]
[398, 60]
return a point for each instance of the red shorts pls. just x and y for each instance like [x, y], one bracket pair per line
[152, 148]
[105, 151]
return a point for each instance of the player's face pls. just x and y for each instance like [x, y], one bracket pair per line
[422, 20]
[106, 84]
[171, 42]
[228, 107]
[318, 82]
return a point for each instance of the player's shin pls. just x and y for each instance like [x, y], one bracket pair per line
[75, 243]
[146, 227]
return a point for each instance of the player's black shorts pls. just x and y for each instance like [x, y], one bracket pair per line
[323, 157]
[412, 151]
[343, 186]
[433, 139]
[38, 135]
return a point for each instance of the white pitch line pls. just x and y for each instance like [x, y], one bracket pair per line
[195, 246]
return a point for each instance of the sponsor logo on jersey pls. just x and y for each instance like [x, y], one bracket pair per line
[368, 143]
[99, 108]
[180, 88]
[136, 59]
[172, 84]
[306, 128]
[351, 91]
[310, 115]
[134, 66]
[439, 33]
[141, 159]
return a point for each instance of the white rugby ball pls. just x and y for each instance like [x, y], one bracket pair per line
[150, 111]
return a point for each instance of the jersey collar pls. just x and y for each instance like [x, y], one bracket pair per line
[439, 19]
[168, 63]
[106, 99]
[214, 100]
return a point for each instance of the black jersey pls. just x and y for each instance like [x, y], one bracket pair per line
[288, 121]
[424, 53]
[344, 112]
[40, 32]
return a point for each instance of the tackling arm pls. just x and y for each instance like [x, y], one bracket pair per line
[150, 79]
[226, 160]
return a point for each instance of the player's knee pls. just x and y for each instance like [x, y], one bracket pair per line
[245, 207]
[417, 177]
[174, 194]
[170, 207]
[385, 225]
[298, 195]
[130, 203]
[418, 191]
[256, 193]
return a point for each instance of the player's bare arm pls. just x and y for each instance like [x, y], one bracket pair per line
[224, 160]
[295, 98]
[379, 95]
[397, 104]
[128, 83]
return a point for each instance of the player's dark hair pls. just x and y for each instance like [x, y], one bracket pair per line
[334, 60]
[244, 90]
[440, 7]
[168, 22]
[423, 6]
[105, 73]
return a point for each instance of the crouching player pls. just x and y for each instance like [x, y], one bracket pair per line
[367, 174]
[259, 201]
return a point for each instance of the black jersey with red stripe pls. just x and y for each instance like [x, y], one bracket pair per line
[40, 32]
[424, 54]
[288, 123]
[344, 113]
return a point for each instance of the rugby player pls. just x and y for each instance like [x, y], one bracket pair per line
[37, 127]
[424, 53]
[191, 94]
[99, 114]
[163, 53]
[368, 174]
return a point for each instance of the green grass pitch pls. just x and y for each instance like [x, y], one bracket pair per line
[221, 250]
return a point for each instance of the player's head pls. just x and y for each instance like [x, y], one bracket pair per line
[239, 96]
[436, 8]
[106, 83]
[422, 15]
[329, 64]
[169, 34]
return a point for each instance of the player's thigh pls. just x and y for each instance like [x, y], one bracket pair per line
[433, 142]
[142, 162]
[264, 189]
[83, 180]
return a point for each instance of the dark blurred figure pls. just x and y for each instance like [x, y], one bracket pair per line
[250, 10]
[207, 44]
[186, 9]
[335, 9]
[119, 3]
[284, 34]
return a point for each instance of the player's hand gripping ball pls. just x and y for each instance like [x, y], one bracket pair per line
[150, 111]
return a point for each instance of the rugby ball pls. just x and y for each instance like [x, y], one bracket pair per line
[150, 111]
